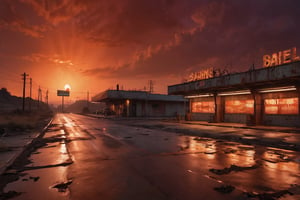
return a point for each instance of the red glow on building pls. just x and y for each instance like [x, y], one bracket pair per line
[203, 107]
[281, 106]
[239, 106]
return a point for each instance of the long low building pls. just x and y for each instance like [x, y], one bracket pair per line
[142, 104]
[265, 96]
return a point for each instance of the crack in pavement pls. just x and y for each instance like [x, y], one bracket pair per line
[63, 164]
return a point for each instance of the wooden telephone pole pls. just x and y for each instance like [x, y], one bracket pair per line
[24, 75]
[30, 94]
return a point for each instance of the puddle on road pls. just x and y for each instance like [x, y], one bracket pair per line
[245, 164]
[38, 180]
[252, 168]
[275, 155]
[45, 166]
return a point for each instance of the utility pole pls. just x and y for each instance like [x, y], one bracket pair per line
[87, 99]
[47, 97]
[30, 94]
[24, 87]
[39, 96]
[151, 87]
[62, 104]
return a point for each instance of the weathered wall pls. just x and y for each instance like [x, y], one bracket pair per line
[235, 118]
[242, 80]
[202, 117]
[282, 120]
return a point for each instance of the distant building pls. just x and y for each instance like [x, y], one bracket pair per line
[265, 96]
[142, 104]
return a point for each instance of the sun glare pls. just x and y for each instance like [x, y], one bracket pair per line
[67, 87]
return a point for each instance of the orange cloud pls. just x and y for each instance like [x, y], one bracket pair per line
[134, 40]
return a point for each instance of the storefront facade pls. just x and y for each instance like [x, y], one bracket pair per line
[265, 96]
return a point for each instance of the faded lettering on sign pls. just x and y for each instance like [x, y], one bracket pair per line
[281, 57]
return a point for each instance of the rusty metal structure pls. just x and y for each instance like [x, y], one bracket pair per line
[265, 96]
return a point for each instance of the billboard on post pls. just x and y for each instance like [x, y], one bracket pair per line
[64, 93]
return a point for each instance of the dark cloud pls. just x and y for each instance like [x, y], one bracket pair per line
[133, 22]
[141, 38]
[11, 18]
[230, 34]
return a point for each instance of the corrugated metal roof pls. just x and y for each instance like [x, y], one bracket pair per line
[136, 95]
[288, 74]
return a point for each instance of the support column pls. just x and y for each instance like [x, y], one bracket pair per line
[258, 108]
[128, 108]
[298, 92]
[190, 110]
[219, 108]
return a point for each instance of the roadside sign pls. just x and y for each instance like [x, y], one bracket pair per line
[64, 93]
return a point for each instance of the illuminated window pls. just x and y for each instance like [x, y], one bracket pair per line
[239, 106]
[203, 107]
[281, 106]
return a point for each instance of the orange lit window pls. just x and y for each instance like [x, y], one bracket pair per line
[239, 106]
[203, 107]
[281, 106]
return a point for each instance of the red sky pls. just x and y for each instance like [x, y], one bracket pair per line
[95, 44]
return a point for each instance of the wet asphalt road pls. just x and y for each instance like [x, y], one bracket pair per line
[87, 158]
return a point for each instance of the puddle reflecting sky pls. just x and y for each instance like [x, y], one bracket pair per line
[277, 169]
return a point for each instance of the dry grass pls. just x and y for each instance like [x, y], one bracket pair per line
[21, 122]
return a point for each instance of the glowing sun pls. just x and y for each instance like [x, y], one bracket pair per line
[67, 87]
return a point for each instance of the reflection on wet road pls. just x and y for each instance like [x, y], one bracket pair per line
[90, 158]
